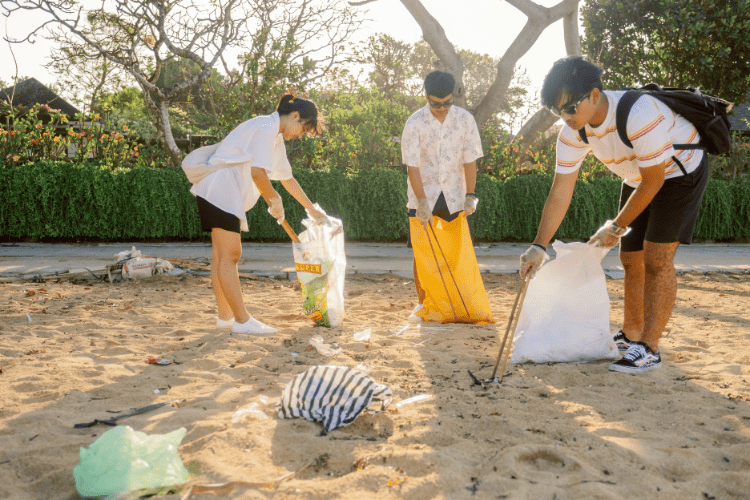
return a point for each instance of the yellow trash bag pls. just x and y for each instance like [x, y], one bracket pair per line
[449, 263]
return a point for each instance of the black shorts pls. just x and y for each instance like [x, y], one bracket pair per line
[211, 216]
[672, 214]
[441, 210]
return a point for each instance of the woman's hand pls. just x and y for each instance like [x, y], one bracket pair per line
[316, 215]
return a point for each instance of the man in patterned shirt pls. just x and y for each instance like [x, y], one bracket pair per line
[440, 146]
[661, 194]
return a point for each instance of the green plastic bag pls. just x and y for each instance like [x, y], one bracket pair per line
[124, 460]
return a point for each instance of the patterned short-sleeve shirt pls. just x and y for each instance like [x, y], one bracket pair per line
[652, 128]
[440, 150]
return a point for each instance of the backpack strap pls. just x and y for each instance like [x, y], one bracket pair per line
[621, 120]
[623, 111]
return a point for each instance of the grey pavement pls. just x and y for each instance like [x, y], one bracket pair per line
[276, 259]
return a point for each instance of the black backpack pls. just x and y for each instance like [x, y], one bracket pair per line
[706, 112]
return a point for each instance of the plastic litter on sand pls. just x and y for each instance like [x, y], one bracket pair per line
[413, 399]
[323, 348]
[251, 411]
[363, 336]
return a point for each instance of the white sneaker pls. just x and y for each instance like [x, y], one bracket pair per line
[413, 317]
[224, 323]
[253, 327]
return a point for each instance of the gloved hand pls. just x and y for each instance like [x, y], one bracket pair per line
[532, 259]
[276, 208]
[424, 212]
[318, 216]
[608, 235]
[470, 204]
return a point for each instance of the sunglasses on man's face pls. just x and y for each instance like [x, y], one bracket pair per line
[570, 108]
[437, 105]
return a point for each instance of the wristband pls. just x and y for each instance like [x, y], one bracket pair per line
[471, 194]
[540, 246]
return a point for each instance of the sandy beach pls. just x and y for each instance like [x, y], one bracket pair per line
[74, 351]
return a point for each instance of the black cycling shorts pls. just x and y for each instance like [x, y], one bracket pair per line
[672, 214]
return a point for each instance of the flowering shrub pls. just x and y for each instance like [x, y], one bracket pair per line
[43, 133]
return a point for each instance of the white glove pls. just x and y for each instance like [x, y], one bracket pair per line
[317, 214]
[424, 213]
[608, 235]
[532, 259]
[470, 204]
[276, 209]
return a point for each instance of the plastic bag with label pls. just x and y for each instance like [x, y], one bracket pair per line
[565, 316]
[320, 262]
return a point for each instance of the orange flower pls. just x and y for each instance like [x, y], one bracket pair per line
[352, 155]
[56, 139]
[12, 132]
[38, 125]
[320, 146]
[34, 141]
[15, 158]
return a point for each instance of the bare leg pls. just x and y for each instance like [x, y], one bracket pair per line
[227, 250]
[420, 291]
[635, 277]
[660, 289]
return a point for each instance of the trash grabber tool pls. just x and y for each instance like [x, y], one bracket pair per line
[455, 316]
[285, 225]
[455, 283]
[521, 292]
[290, 231]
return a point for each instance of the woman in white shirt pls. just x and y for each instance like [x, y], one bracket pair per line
[247, 160]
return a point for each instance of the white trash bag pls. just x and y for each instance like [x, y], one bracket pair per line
[565, 316]
[321, 266]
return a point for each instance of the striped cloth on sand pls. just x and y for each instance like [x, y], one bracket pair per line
[334, 395]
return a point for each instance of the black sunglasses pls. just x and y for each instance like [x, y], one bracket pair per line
[569, 109]
[438, 105]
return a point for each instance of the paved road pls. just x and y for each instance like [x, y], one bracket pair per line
[275, 259]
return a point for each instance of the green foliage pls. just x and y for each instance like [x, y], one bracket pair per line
[42, 133]
[701, 43]
[64, 200]
[363, 131]
[91, 201]
[735, 163]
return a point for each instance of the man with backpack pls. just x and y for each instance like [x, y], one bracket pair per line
[661, 194]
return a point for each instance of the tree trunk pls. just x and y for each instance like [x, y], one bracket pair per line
[543, 119]
[163, 128]
[539, 18]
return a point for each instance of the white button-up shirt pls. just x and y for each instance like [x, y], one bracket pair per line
[254, 143]
[440, 151]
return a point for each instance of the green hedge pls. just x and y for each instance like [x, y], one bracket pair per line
[67, 201]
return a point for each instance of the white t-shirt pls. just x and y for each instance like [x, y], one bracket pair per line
[652, 128]
[254, 143]
[440, 151]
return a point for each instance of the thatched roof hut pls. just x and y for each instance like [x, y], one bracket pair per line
[30, 92]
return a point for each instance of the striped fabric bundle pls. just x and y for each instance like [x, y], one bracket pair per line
[334, 395]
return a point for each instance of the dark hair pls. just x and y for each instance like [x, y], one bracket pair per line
[573, 75]
[308, 113]
[439, 84]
